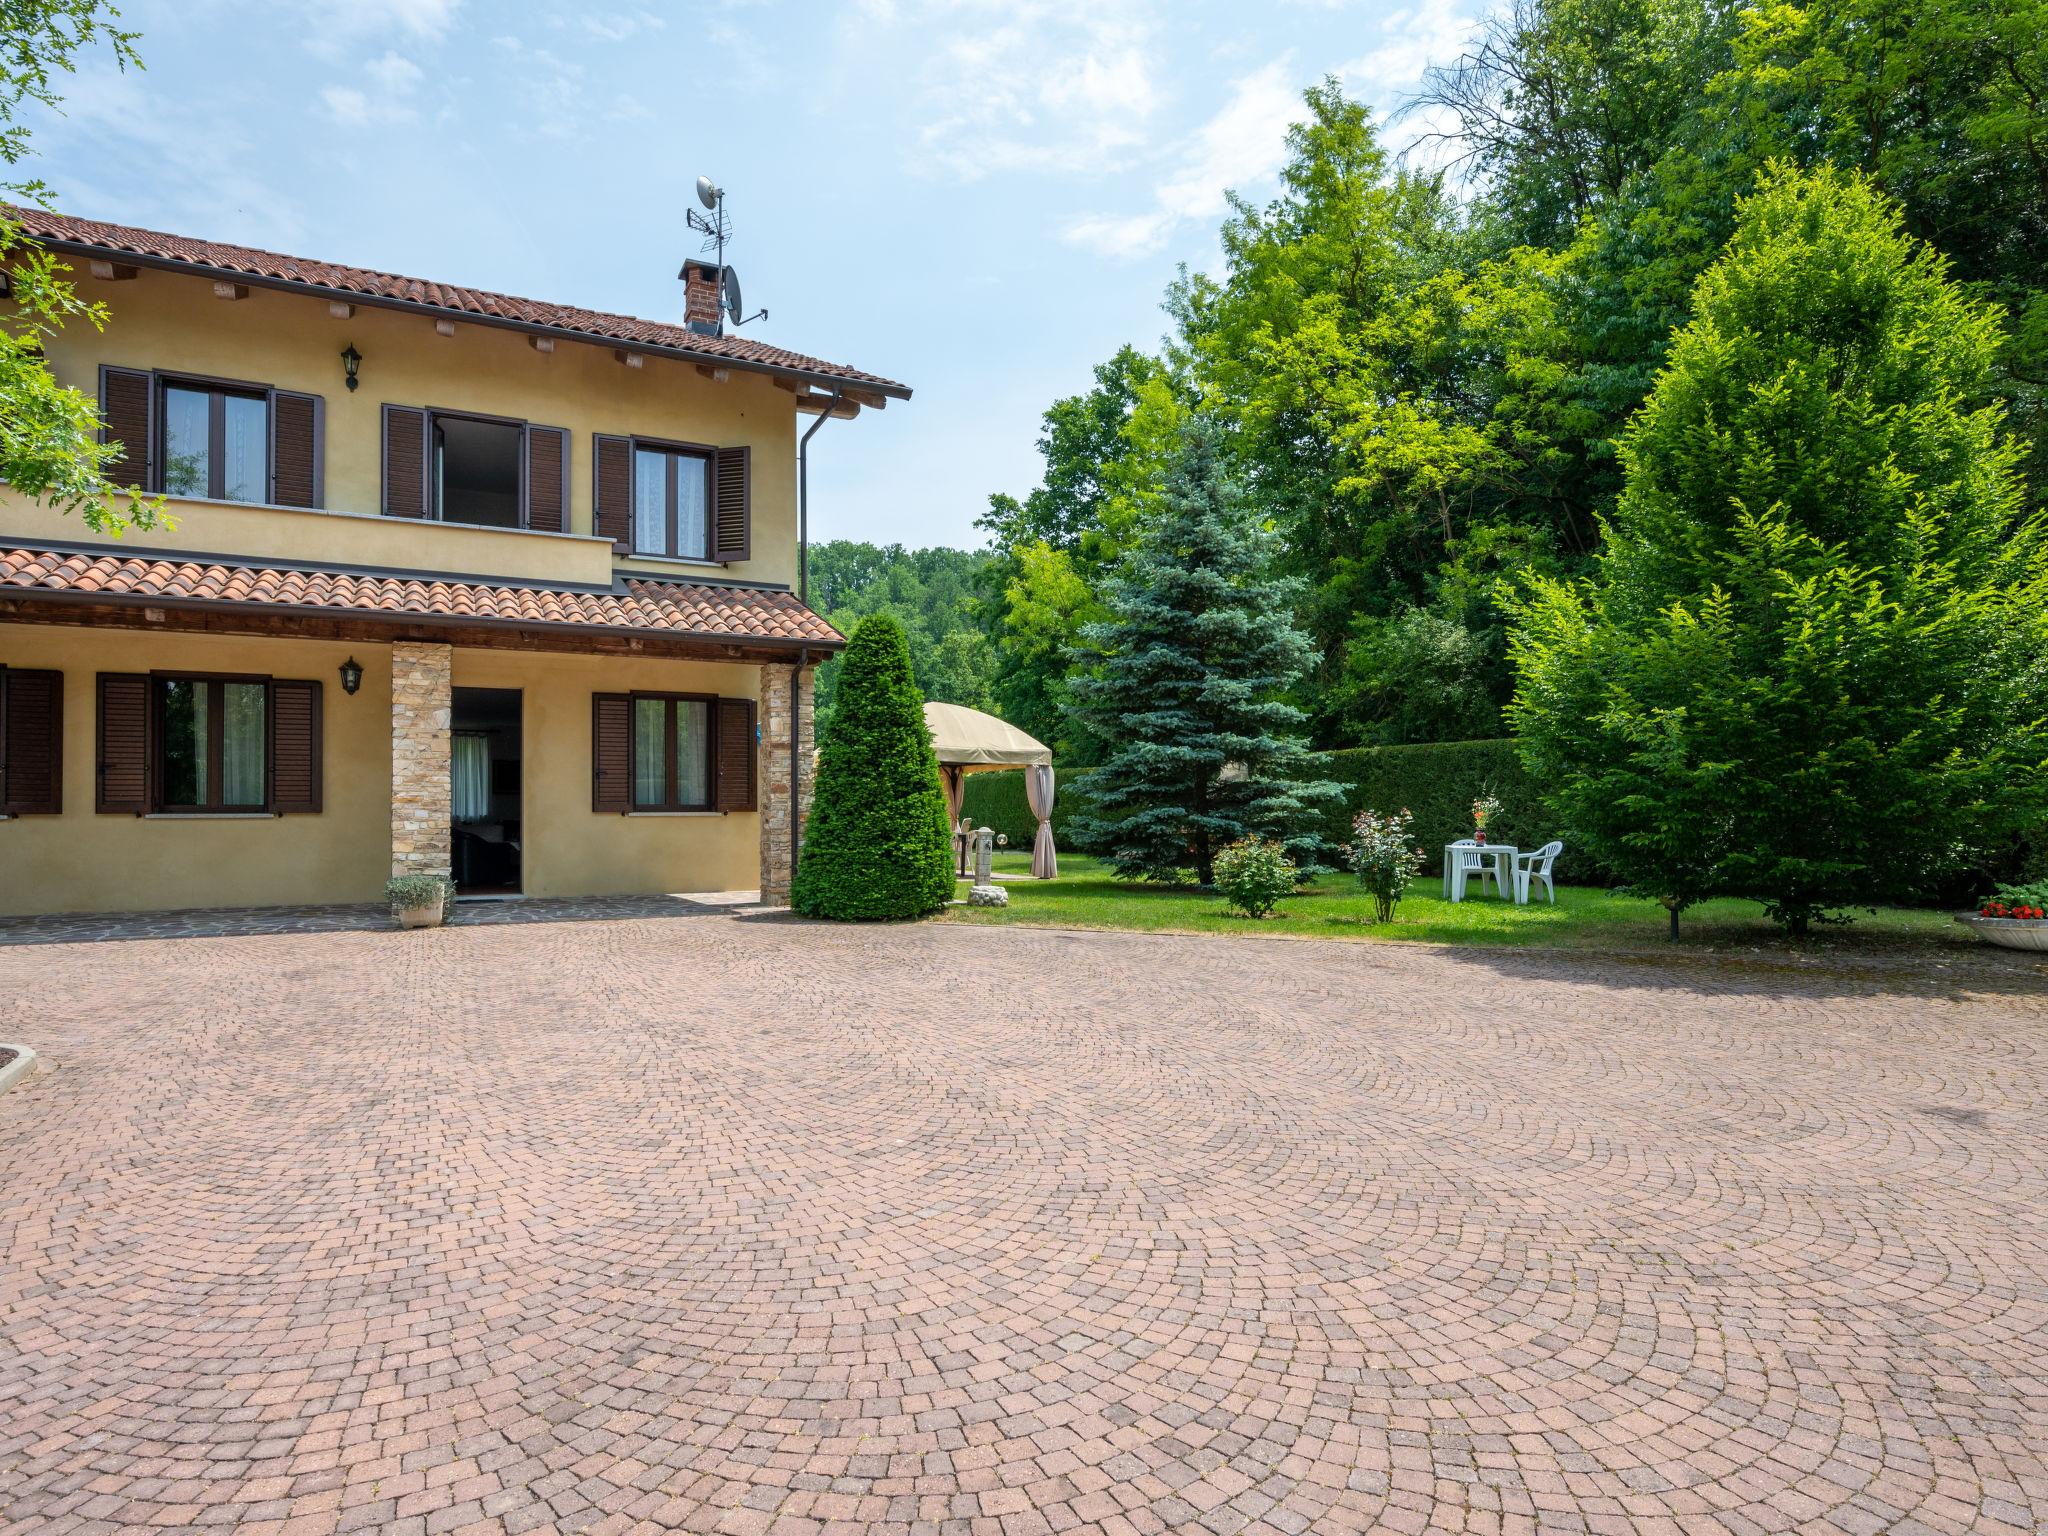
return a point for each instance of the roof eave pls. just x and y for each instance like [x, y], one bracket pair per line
[134, 258]
[407, 618]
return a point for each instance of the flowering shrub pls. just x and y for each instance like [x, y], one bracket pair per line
[1254, 874]
[2021, 901]
[1383, 854]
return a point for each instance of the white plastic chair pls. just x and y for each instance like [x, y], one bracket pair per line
[1531, 867]
[1470, 859]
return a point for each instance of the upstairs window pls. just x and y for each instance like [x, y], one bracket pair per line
[216, 441]
[672, 500]
[476, 470]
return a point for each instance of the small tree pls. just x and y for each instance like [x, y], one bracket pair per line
[877, 845]
[1384, 856]
[1199, 652]
[1808, 669]
[49, 435]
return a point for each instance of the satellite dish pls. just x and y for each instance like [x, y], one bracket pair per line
[733, 306]
[707, 194]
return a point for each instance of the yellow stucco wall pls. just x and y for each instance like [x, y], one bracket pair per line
[81, 861]
[173, 322]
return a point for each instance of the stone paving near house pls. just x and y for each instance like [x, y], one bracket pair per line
[359, 917]
[753, 1226]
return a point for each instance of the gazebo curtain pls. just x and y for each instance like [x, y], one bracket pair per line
[1045, 863]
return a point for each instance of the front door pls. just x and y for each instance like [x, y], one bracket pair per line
[487, 794]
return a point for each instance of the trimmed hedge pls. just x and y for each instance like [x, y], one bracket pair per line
[1437, 782]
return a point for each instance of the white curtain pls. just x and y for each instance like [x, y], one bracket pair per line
[1045, 863]
[241, 744]
[472, 769]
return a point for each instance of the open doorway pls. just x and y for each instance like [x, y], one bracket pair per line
[484, 760]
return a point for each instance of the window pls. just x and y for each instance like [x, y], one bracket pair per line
[671, 753]
[212, 744]
[476, 471]
[672, 502]
[216, 441]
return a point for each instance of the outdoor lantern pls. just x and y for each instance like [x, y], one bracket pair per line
[352, 360]
[351, 674]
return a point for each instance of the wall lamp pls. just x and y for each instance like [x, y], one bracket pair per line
[351, 675]
[351, 360]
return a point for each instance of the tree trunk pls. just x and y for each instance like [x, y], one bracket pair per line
[1672, 907]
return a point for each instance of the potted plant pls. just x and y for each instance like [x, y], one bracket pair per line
[2014, 916]
[1383, 855]
[418, 901]
[1484, 809]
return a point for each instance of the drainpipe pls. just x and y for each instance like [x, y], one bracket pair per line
[796, 765]
[803, 502]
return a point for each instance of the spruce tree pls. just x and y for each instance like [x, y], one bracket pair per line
[877, 845]
[1189, 699]
[1808, 670]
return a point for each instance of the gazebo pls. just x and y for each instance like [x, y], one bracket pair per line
[969, 741]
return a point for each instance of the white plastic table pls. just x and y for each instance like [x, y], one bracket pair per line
[1502, 856]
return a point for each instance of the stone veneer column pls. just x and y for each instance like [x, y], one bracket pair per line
[774, 770]
[421, 788]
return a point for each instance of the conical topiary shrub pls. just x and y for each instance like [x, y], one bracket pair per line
[877, 845]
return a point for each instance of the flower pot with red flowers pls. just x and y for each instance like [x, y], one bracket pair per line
[2014, 916]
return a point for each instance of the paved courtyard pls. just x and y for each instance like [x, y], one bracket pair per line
[748, 1226]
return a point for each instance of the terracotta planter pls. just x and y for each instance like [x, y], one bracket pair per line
[2009, 932]
[421, 917]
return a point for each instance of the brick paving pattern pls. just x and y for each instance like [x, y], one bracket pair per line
[755, 1227]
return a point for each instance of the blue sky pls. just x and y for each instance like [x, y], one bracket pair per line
[982, 198]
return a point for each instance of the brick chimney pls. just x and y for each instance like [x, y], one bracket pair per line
[700, 297]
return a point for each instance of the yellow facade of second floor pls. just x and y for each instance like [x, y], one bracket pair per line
[172, 324]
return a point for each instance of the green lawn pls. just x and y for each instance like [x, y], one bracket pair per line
[1087, 895]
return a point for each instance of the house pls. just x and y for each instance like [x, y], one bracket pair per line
[460, 583]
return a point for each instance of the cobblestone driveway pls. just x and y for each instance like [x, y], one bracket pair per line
[746, 1226]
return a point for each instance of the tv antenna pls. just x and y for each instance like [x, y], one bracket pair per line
[716, 228]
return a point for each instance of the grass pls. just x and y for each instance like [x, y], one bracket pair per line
[1088, 895]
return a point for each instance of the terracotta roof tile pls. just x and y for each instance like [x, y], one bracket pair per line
[119, 239]
[680, 609]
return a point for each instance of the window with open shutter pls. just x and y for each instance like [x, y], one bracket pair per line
[611, 752]
[736, 760]
[731, 527]
[405, 462]
[547, 479]
[611, 469]
[294, 747]
[127, 397]
[297, 446]
[123, 765]
[31, 742]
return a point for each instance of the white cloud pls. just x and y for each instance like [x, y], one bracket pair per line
[395, 74]
[1433, 32]
[1243, 146]
[1019, 85]
[334, 25]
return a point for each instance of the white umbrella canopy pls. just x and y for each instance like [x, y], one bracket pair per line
[968, 741]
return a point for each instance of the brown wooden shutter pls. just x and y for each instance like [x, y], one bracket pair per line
[297, 445]
[294, 747]
[732, 526]
[547, 479]
[611, 468]
[611, 752]
[736, 769]
[126, 407]
[124, 744]
[405, 462]
[31, 742]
